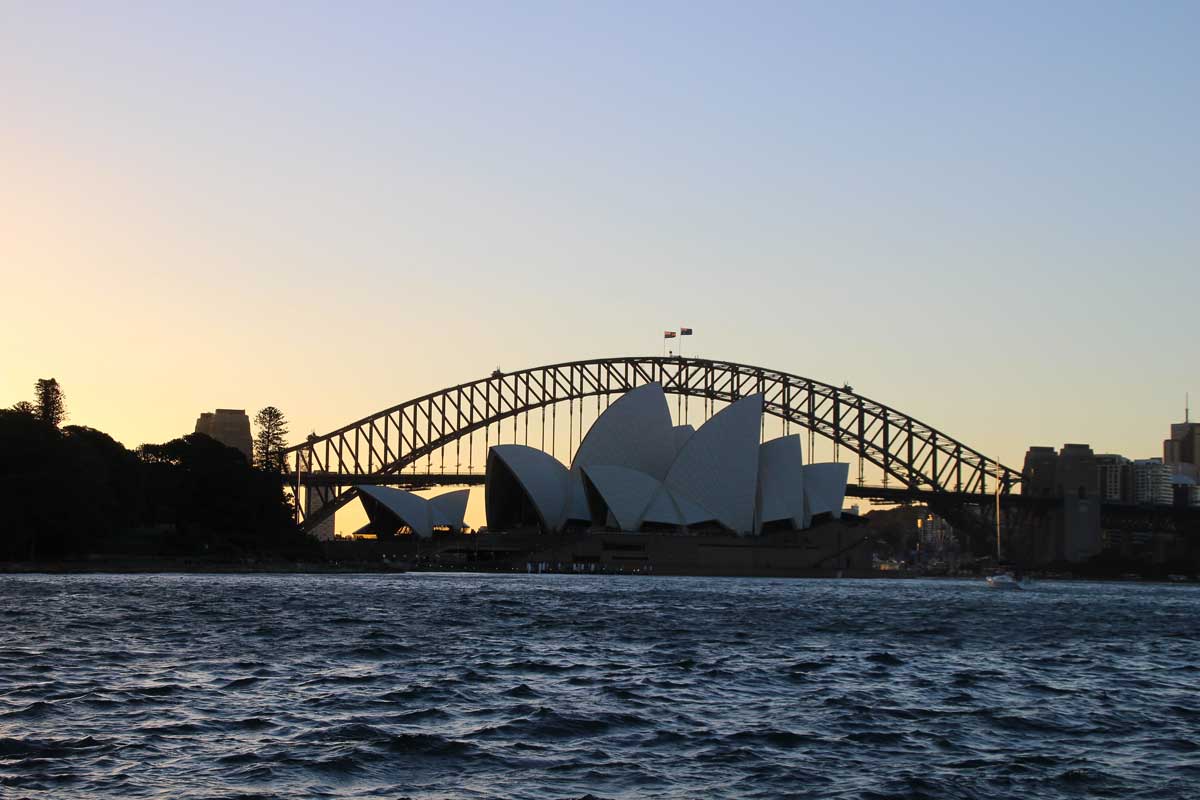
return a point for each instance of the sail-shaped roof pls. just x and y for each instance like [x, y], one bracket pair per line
[450, 508]
[541, 478]
[680, 434]
[577, 504]
[633, 432]
[410, 510]
[825, 487]
[624, 491]
[717, 468]
[670, 508]
[663, 510]
[781, 482]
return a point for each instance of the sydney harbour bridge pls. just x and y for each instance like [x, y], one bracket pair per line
[436, 439]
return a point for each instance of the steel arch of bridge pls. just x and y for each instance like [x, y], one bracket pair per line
[917, 455]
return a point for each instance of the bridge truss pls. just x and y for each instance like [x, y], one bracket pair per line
[914, 455]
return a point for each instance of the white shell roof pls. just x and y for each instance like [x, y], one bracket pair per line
[718, 465]
[662, 509]
[577, 507]
[680, 434]
[625, 491]
[781, 481]
[669, 508]
[415, 512]
[633, 432]
[543, 477]
[690, 512]
[825, 487]
[450, 508]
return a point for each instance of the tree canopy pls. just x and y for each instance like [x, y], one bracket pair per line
[49, 404]
[271, 439]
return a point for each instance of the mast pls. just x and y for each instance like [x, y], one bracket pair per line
[997, 512]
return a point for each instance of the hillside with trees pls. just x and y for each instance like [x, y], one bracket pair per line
[76, 493]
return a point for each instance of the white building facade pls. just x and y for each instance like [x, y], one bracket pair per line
[1152, 482]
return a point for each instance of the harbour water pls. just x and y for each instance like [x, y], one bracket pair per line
[555, 686]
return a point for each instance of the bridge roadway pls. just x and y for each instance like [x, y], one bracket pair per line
[426, 480]
[1115, 516]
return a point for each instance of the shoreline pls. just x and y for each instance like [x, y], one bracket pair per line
[158, 567]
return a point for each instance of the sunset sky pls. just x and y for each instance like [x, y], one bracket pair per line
[985, 215]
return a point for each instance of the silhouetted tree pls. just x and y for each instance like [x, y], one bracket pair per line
[48, 401]
[30, 472]
[217, 502]
[105, 491]
[270, 441]
[25, 407]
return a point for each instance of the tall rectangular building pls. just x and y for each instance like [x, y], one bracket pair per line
[1182, 450]
[1152, 482]
[1040, 472]
[1115, 478]
[1071, 531]
[1076, 475]
[230, 427]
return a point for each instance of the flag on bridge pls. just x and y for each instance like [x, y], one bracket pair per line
[685, 331]
[668, 334]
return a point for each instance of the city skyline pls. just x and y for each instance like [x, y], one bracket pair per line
[235, 208]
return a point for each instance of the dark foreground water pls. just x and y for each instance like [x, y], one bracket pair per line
[428, 686]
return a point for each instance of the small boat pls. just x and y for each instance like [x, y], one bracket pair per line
[1004, 580]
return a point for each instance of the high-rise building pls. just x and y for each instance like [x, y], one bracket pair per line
[1115, 478]
[1182, 450]
[1152, 482]
[1185, 490]
[1078, 486]
[1040, 472]
[229, 426]
[1076, 474]
[1071, 532]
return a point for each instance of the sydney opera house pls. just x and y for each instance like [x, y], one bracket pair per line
[637, 476]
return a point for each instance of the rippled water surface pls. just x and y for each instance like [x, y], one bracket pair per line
[429, 686]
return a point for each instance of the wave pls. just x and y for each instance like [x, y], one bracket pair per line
[547, 724]
[16, 748]
[298, 687]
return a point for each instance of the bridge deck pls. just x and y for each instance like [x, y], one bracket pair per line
[424, 480]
